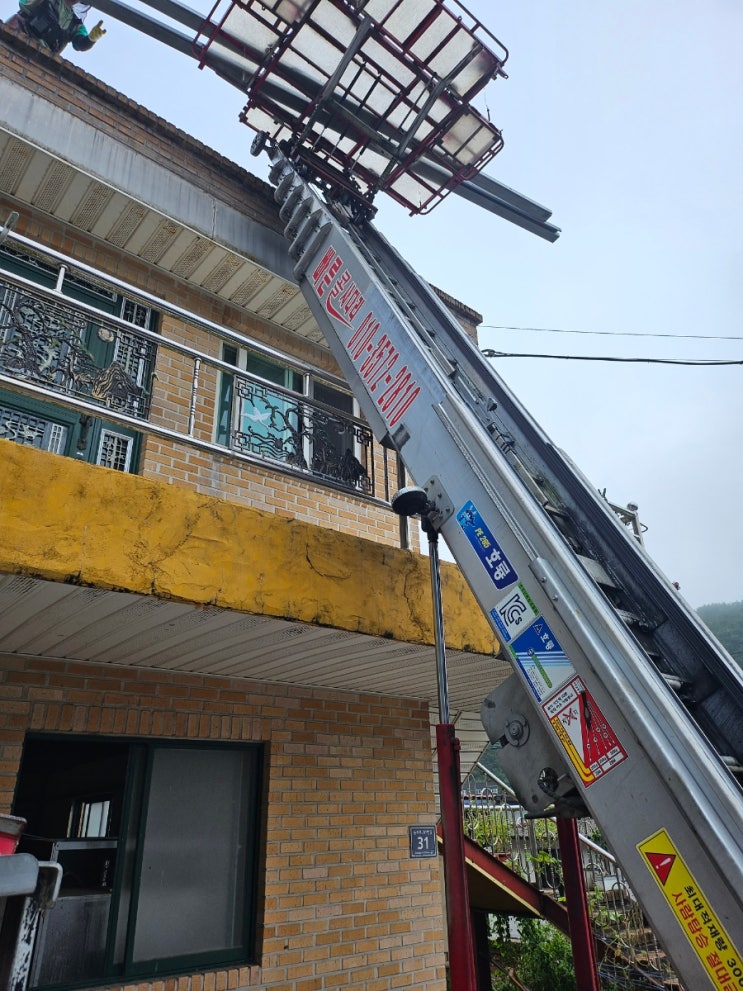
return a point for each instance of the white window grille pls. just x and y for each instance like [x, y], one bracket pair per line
[114, 451]
[136, 313]
[133, 354]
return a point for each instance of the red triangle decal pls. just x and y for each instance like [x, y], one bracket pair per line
[661, 864]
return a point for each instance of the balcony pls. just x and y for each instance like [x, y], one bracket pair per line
[68, 364]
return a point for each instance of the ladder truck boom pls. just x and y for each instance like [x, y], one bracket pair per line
[621, 701]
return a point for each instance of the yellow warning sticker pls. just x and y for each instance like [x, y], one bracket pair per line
[702, 928]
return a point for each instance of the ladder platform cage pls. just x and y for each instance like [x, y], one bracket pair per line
[367, 95]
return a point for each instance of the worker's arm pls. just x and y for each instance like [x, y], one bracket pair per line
[82, 41]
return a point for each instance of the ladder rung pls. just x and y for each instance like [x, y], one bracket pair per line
[733, 764]
[597, 572]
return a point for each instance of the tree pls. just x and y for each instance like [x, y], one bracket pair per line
[725, 619]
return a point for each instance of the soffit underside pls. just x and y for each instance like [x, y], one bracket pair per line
[41, 618]
[34, 176]
[55, 621]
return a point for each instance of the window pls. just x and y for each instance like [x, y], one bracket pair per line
[158, 844]
[22, 427]
[114, 450]
[268, 419]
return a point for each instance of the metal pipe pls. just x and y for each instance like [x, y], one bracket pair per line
[462, 973]
[438, 623]
[194, 394]
[581, 934]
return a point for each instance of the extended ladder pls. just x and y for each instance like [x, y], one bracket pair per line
[621, 701]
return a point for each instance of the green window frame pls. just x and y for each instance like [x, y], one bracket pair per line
[167, 881]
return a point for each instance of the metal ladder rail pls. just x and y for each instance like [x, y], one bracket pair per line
[674, 783]
[693, 663]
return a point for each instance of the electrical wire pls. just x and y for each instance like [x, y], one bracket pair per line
[491, 353]
[610, 333]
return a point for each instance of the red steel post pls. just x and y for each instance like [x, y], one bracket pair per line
[581, 934]
[459, 926]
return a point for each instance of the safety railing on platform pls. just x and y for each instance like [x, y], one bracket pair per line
[495, 820]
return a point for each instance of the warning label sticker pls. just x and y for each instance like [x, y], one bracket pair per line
[581, 727]
[711, 943]
[542, 659]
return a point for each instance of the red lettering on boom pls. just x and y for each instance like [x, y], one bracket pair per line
[361, 339]
[352, 301]
[378, 357]
[327, 277]
[322, 267]
[396, 400]
[379, 360]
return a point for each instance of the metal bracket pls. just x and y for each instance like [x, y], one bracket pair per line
[444, 506]
[528, 755]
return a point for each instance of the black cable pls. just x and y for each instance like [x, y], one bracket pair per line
[610, 333]
[490, 353]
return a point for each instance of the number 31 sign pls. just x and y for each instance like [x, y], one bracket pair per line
[422, 841]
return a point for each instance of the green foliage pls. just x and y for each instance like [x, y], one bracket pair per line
[492, 832]
[542, 959]
[725, 619]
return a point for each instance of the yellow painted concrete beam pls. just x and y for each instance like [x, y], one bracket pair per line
[65, 521]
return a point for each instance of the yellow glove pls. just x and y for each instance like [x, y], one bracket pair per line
[97, 32]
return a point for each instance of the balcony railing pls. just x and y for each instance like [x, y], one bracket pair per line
[48, 343]
[74, 355]
[278, 425]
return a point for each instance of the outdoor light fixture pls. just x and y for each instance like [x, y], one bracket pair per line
[411, 501]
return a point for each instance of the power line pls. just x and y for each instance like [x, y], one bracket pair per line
[610, 333]
[490, 353]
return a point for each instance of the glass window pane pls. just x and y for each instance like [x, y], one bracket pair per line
[192, 887]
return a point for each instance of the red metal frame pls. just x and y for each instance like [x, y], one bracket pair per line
[581, 931]
[462, 974]
[363, 109]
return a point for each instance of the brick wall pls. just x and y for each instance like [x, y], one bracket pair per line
[345, 906]
[209, 473]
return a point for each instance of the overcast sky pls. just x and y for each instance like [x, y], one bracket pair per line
[624, 119]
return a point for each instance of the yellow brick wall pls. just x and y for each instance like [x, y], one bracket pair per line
[345, 906]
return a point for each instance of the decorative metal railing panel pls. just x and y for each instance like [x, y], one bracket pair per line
[276, 424]
[67, 352]
[44, 342]
[34, 431]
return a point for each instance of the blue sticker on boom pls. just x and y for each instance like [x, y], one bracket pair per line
[486, 546]
[542, 659]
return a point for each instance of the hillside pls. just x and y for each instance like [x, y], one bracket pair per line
[725, 619]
